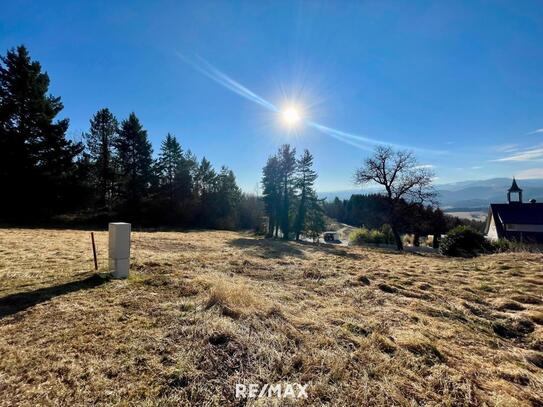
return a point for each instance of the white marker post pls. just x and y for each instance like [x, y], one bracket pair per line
[119, 249]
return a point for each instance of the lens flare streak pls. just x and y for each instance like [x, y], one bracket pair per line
[205, 68]
[361, 142]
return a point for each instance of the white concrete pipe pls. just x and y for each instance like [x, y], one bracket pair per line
[119, 249]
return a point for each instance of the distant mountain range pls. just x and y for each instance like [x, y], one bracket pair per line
[466, 195]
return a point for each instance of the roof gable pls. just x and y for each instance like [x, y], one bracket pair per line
[518, 213]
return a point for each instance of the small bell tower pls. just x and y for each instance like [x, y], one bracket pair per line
[514, 190]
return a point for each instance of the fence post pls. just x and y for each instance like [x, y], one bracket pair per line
[94, 252]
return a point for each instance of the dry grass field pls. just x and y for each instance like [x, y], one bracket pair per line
[203, 311]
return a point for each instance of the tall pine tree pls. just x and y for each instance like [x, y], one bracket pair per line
[175, 181]
[37, 162]
[314, 223]
[228, 198]
[135, 162]
[205, 177]
[287, 166]
[271, 190]
[100, 141]
[304, 182]
[170, 161]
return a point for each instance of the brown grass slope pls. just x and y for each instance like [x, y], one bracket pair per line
[203, 311]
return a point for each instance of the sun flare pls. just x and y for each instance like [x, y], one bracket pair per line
[291, 116]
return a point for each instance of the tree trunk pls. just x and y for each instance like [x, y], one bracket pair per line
[416, 239]
[300, 217]
[269, 233]
[393, 224]
[285, 221]
[435, 242]
[397, 238]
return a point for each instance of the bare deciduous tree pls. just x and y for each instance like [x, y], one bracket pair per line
[402, 178]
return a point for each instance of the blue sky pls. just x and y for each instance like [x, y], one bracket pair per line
[461, 82]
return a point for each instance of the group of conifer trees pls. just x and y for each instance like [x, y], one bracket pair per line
[111, 173]
[291, 202]
[174, 189]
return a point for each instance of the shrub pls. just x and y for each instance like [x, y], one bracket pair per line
[387, 232]
[500, 246]
[463, 241]
[376, 236]
[359, 236]
[363, 235]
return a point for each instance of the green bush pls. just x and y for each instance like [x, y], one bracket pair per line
[376, 236]
[500, 246]
[463, 241]
[387, 232]
[359, 236]
[363, 235]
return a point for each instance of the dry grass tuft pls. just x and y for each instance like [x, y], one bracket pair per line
[387, 288]
[515, 376]
[363, 280]
[423, 348]
[535, 316]
[536, 359]
[527, 299]
[510, 306]
[234, 300]
[513, 327]
[384, 344]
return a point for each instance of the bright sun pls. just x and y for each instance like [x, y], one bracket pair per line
[291, 116]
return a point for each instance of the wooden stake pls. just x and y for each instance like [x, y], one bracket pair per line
[94, 252]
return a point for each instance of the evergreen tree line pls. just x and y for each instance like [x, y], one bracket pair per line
[175, 189]
[110, 174]
[290, 200]
[372, 211]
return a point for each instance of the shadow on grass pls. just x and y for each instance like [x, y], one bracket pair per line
[277, 249]
[332, 249]
[15, 303]
[268, 248]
